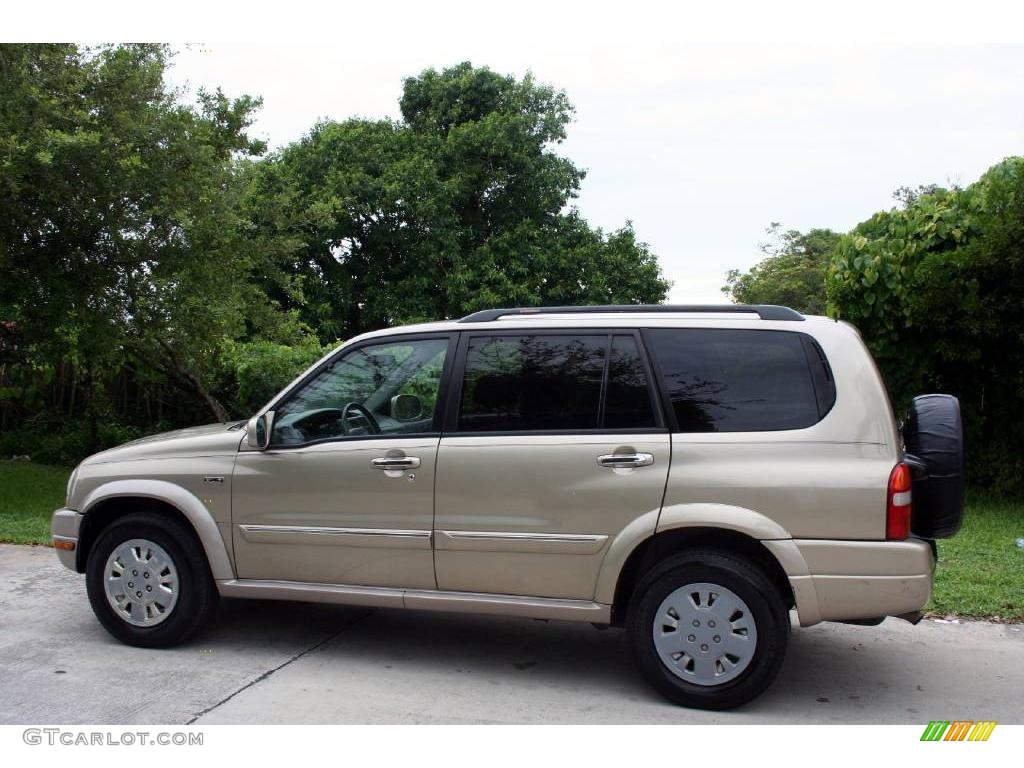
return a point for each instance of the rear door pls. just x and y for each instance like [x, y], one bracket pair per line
[554, 442]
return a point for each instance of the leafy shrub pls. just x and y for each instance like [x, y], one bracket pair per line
[260, 369]
[935, 288]
[68, 443]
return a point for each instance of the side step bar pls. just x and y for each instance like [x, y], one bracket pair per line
[420, 599]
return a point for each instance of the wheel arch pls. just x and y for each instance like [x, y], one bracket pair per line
[653, 536]
[114, 500]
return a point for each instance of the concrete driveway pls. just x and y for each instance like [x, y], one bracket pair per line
[267, 662]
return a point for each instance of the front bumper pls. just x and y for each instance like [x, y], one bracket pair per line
[64, 527]
[843, 580]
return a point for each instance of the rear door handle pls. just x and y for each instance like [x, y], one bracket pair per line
[404, 462]
[625, 460]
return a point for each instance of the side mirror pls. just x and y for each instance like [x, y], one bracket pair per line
[258, 430]
[406, 408]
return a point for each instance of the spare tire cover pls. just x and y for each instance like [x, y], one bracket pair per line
[933, 435]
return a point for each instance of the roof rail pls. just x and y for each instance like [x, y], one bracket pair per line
[764, 311]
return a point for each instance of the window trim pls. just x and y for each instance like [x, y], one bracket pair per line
[819, 364]
[458, 378]
[442, 390]
[804, 338]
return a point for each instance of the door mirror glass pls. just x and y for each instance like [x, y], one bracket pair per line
[258, 430]
[406, 407]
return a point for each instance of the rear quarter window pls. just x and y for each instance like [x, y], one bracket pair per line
[723, 380]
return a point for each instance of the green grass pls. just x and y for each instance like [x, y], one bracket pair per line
[28, 495]
[980, 574]
[981, 569]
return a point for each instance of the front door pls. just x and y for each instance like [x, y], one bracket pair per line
[553, 444]
[344, 492]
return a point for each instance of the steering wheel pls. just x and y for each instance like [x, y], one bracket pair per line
[359, 411]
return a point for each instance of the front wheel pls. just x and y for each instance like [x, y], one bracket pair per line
[148, 581]
[708, 629]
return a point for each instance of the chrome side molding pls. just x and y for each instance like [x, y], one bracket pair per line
[479, 541]
[500, 541]
[343, 537]
[405, 533]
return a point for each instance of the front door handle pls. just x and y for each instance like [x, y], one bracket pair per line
[625, 460]
[403, 462]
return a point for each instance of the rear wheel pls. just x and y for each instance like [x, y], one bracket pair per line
[148, 581]
[708, 629]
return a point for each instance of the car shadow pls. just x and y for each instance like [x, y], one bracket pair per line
[837, 673]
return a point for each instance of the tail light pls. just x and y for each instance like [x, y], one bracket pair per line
[897, 510]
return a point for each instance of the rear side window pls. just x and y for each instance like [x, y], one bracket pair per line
[628, 399]
[556, 382]
[528, 383]
[721, 380]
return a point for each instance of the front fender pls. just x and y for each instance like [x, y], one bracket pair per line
[182, 500]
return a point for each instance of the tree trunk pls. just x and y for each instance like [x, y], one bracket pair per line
[90, 407]
[220, 413]
[191, 383]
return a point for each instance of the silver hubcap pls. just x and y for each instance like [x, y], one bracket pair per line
[705, 634]
[141, 582]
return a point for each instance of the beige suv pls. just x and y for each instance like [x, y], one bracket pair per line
[689, 473]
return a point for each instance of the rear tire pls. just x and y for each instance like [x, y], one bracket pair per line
[684, 645]
[175, 591]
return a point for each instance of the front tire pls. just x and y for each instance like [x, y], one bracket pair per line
[708, 629]
[148, 581]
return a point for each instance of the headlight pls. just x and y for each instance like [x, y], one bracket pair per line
[71, 487]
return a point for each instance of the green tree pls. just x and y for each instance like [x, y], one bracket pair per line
[156, 268]
[883, 281]
[936, 287]
[460, 205]
[791, 274]
[121, 240]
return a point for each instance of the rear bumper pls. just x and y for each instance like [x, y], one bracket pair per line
[842, 580]
[64, 527]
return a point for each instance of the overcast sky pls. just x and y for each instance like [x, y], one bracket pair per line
[701, 146]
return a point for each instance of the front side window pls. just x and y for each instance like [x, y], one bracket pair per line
[386, 388]
[722, 380]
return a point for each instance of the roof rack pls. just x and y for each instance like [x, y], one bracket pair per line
[764, 311]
